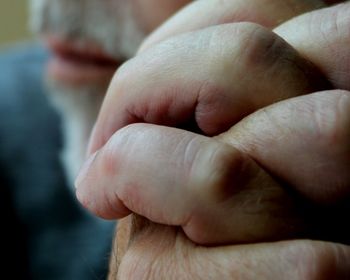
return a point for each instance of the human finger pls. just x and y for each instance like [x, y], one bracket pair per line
[316, 124]
[175, 177]
[268, 13]
[162, 252]
[330, 52]
[304, 141]
[213, 78]
[324, 40]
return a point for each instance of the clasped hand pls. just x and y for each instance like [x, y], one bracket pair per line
[228, 134]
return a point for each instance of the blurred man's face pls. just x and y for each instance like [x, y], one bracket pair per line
[90, 38]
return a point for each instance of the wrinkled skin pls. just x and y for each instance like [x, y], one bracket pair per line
[118, 27]
[151, 248]
[115, 28]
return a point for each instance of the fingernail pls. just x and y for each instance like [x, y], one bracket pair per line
[89, 149]
[85, 169]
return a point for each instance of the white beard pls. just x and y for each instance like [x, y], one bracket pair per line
[107, 23]
[78, 109]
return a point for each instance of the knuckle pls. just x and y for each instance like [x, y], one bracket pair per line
[259, 47]
[206, 166]
[228, 170]
[230, 42]
[197, 230]
[264, 54]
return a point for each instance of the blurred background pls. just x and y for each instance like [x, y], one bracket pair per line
[14, 22]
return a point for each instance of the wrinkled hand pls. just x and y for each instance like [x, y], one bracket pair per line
[162, 252]
[212, 76]
[295, 129]
[286, 129]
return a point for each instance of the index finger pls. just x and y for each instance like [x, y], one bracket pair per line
[268, 13]
[212, 77]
